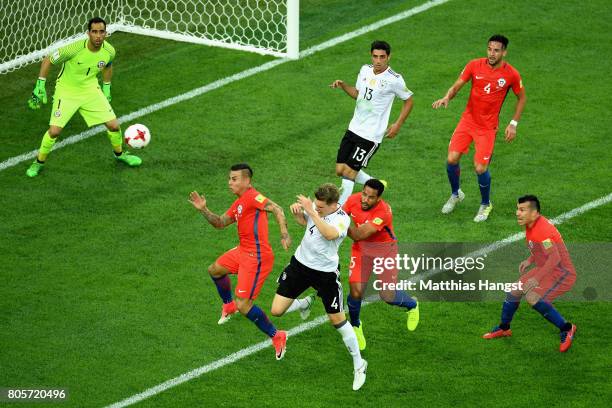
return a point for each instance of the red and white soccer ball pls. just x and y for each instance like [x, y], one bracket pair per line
[137, 136]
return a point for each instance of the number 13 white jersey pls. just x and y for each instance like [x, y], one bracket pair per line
[376, 94]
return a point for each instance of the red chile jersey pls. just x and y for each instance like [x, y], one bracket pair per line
[380, 217]
[489, 89]
[543, 236]
[252, 220]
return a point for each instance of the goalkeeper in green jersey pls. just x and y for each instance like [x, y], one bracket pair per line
[77, 89]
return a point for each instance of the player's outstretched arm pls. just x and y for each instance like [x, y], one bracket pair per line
[350, 90]
[298, 213]
[397, 125]
[199, 203]
[450, 94]
[279, 214]
[328, 231]
[518, 111]
[362, 232]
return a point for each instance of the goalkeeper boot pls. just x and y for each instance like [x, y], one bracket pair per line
[413, 317]
[452, 202]
[129, 159]
[279, 341]
[566, 339]
[360, 337]
[497, 332]
[305, 312]
[227, 311]
[34, 169]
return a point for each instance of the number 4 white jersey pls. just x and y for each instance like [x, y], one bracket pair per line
[317, 252]
[376, 94]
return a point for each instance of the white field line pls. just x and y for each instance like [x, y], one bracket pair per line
[13, 161]
[232, 358]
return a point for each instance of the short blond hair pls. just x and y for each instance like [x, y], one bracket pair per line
[328, 192]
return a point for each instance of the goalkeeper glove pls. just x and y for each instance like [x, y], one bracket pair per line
[39, 94]
[106, 90]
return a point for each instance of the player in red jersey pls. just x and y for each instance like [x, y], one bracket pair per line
[491, 78]
[374, 242]
[253, 258]
[552, 275]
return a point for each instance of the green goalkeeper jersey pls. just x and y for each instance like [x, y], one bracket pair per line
[80, 65]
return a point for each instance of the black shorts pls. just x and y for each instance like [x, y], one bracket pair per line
[296, 278]
[355, 151]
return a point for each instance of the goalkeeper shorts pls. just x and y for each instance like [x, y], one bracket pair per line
[91, 104]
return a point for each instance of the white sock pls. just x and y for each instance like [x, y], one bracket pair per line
[362, 177]
[298, 304]
[350, 341]
[347, 190]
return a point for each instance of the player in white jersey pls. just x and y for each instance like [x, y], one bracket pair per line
[376, 88]
[315, 264]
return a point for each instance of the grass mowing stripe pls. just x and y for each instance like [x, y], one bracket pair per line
[240, 354]
[13, 161]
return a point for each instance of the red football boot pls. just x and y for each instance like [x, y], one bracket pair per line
[566, 339]
[497, 332]
[280, 343]
[228, 310]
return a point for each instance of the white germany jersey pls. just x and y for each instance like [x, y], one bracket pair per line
[376, 94]
[319, 253]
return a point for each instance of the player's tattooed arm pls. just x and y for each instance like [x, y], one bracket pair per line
[278, 212]
[199, 203]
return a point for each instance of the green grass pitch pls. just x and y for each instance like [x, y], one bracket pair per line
[104, 284]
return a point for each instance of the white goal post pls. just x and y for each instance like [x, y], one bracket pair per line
[32, 29]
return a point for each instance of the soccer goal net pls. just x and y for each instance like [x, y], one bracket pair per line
[32, 29]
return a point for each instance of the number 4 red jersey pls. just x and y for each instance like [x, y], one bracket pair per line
[489, 89]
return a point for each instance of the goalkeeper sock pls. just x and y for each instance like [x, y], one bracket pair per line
[45, 147]
[116, 141]
[347, 190]
[354, 306]
[362, 177]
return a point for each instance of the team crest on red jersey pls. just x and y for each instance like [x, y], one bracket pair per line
[501, 82]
